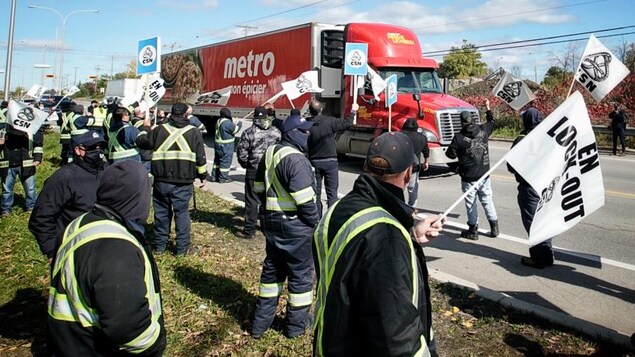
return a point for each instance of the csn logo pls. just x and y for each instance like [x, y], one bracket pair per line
[356, 59]
[147, 55]
[511, 91]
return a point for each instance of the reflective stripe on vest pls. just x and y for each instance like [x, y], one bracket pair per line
[328, 257]
[119, 152]
[71, 306]
[217, 137]
[3, 118]
[74, 130]
[107, 121]
[278, 199]
[100, 116]
[175, 136]
[65, 131]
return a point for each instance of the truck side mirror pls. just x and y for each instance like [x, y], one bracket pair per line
[417, 98]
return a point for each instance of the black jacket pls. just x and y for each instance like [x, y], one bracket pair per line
[618, 120]
[146, 155]
[68, 193]
[419, 140]
[470, 147]
[322, 138]
[20, 151]
[368, 310]
[175, 171]
[110, 278]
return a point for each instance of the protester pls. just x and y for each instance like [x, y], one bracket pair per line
[105, 295]
[160, 119]
[68, 193]
[470, 147]
[21, 155]
[285, 183]
[194, 120]
[99, 113]
[421, 149]
[540, 255]
[252, 145]
[3, 133]
[618, 126]
[63, 122]
[373, 297]
[322, 153]
[224, 145]
[178, 158]
[137, 122]
[121, 138]
[79, 124]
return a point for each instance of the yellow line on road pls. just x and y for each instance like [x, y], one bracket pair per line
[606, 192]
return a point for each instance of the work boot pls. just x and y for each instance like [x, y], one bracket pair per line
[471, 232]
[494, 228]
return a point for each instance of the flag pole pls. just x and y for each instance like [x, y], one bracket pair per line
[573, 80]
[473, 187]
[270, 101]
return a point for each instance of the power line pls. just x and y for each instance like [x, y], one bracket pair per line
[480, 49]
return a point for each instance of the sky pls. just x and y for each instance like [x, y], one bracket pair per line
[106, 41]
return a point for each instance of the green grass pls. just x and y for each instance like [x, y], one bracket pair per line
[208, 298]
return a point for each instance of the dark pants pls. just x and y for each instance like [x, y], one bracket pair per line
[619, 133]
[222, 161]
[327, 169]
[251, 203]
[171, 199]
[67, 154]
[528, 199]
[288, 248]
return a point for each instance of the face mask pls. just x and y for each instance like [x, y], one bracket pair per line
[93, 158]
[299, 138]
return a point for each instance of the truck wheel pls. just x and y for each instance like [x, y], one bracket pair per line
[454, 166]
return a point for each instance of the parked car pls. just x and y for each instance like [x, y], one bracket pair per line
[65, 106]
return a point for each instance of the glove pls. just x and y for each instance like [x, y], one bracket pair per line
[202, 176]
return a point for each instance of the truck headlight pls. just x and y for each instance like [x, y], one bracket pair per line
[432, 138]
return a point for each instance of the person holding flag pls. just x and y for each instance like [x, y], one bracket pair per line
[540, 255]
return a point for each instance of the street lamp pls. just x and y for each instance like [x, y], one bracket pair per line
[64, 18]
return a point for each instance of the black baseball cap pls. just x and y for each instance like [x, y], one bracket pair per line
[260, 113]
[88, 139]
[394, 147]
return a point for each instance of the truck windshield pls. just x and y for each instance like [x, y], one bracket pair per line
[414, 80]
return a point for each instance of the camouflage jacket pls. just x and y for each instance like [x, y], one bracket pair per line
[252, 145]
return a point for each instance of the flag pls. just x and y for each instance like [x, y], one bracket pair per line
[599, 71]
[217, 97]
[25, 118]
[559, 159]
[72, 90]
[377, 83]
[36, 91]
[153, 90]
[513, 91]
[307, 82]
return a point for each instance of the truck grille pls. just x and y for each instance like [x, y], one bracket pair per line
[449, 123]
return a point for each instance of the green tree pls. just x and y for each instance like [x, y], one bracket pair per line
[18, 92]
[463, 62]
[554, 76]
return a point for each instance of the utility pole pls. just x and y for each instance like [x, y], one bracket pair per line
[7, 67]
[112, 60]
[172, 46]
[246, 28]
[97, 68]
[75, 78]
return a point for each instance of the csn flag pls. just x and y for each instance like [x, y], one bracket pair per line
[72, 90]
[25, 118]
[513, 91]
[217, 97]
[599, 71]
[377, 84]
[559, 159]
[36, 91]
[307, 82]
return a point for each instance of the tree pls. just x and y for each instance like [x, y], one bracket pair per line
[554, 76]
[629, 58]
[463, 62]
[18, 92]
[567, 58]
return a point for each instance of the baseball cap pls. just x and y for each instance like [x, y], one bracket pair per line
[225, 113]
[394, 147]
[179, 108]
[295, 122]
[260, 113]
[88, 139]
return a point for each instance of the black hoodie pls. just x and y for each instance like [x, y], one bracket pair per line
[470, 147]
[322, 138]
[419, 140]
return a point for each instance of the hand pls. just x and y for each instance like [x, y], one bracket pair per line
[428, 228]
[36, 163]
[425, 166]
[2, 141]
[487, 104]
[355, 107]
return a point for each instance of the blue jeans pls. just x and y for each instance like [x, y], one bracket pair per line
[413, 189]
[28, 184]
[484, 193]
[171, 199]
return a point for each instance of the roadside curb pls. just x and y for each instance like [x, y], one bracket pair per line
[582, 326]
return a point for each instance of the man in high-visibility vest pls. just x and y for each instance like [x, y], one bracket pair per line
[104, 294]
[373, 297]
[178, 158]
[224, 145]
[98, 112]
[122, 137]
[286, 186]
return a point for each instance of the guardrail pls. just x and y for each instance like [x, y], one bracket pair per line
[601, 129]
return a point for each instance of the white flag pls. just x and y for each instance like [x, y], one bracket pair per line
[377, 83]
[307, 82]
[36, 91]
[153, 90]
[599, 71]
[218, 97]
[513, 91]
[559, 159]
[25, 118]
[72, 90]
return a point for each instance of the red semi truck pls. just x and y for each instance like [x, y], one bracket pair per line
[254, 68]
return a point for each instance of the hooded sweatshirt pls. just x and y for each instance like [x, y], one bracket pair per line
[415, 134]
[470, 147]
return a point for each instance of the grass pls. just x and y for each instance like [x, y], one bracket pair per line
[209, 297]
